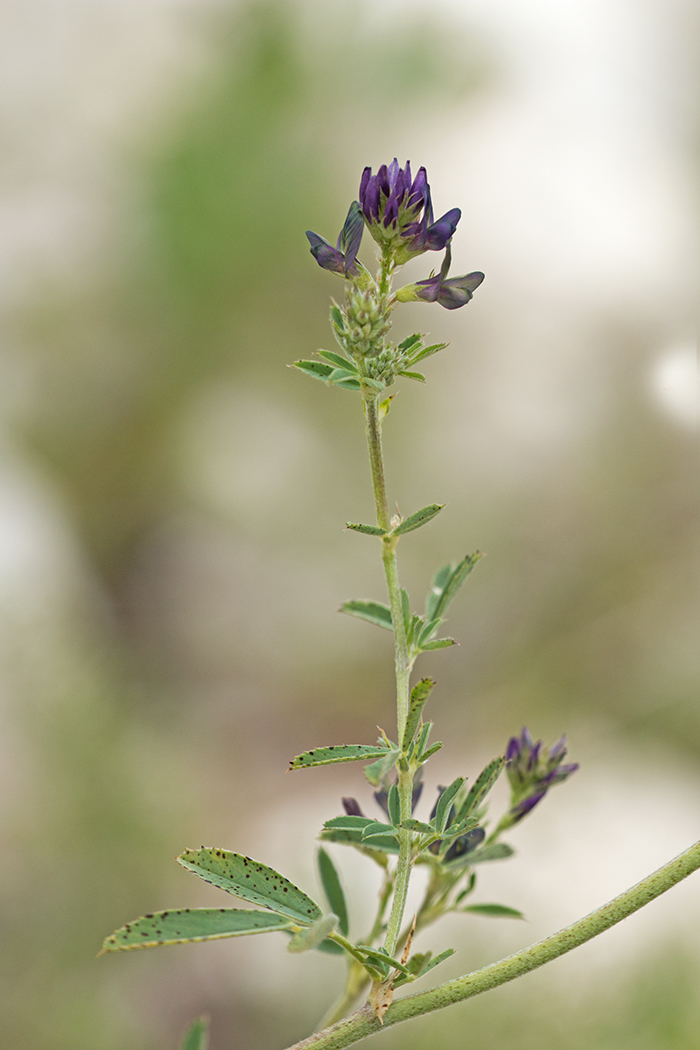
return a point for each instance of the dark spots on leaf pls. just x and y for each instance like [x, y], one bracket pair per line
[149, 916]
[186, 911]
[285, 888]
[165, 914]
[222, 910]
[143, 933]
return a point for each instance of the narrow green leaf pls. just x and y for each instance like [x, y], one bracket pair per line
[462, 828]
[376, 771]
[420, 964]
[191, 924]
[313, 936]
[418, 960]
[330, 880]
[446, 583]
[496, 911]
[197, 1036]
[496, 851]
[437, 643]
[432, 963]
[421, 517]
[374, 384]
[481, 787]
[418, 376]
[376, 829]
[338, 360]
[423, 739]
[444, 805]
[378, 955]
[316, 369]
[471, 883]
[251, 881]
[337, 317]
[405, 609]
[373, 612]
[430, 627]
[394, 805]
[348, 384]
[410, 341]
[430, 752]
[419, 694]
[342, 375]
[373, 847]
[427, 351]
[349, 822]
[326, 756]
[369, 530]
[417, 825]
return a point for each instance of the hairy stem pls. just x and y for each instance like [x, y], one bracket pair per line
[403, 867]
[363, 1023]
[403, 670]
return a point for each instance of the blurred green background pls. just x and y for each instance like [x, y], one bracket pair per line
[172, 497]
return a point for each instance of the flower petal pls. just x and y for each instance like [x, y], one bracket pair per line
[327, 257]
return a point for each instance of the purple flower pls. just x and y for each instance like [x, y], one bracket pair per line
[398, 211]
[343, 258]
[532, 770]
[452, 293]
[352, 807]
[462, 845]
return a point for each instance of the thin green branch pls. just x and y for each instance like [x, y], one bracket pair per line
[403, 869]
[363, 1023]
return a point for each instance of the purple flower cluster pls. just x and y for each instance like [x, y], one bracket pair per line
[399, 212]
[532, 770]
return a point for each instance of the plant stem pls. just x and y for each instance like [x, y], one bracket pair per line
[364, 1023]
[403, 670]
[374, 443]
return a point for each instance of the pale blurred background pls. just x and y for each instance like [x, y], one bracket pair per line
[172, 496]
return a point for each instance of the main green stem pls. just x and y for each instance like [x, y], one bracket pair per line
[403, 669]
[363, 1023]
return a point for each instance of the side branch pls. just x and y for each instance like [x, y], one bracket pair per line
[362, 1024]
